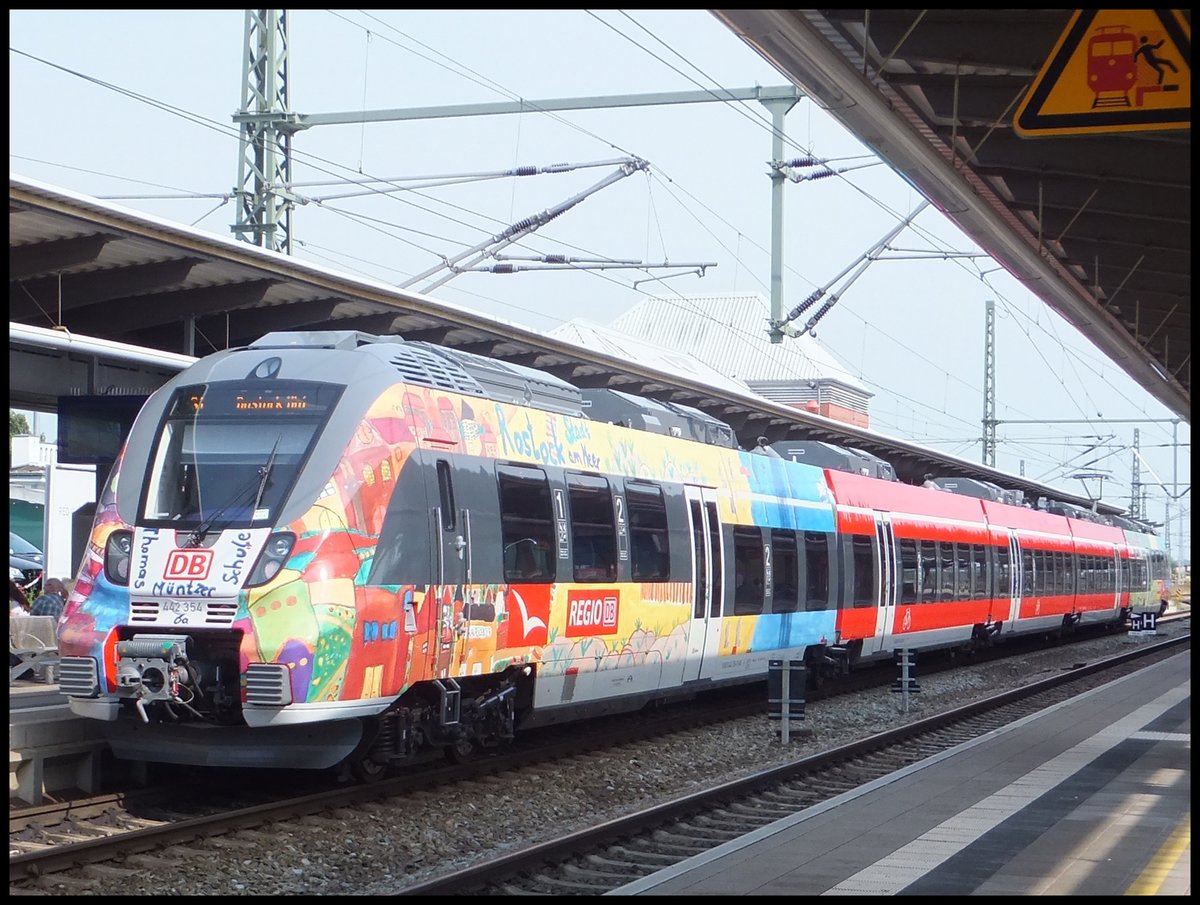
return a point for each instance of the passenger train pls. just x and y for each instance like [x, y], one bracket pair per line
[335, 549]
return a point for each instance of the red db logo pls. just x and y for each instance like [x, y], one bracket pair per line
[592, 612]
[188, 564]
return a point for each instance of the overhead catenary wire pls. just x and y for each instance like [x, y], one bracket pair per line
[1073, 357]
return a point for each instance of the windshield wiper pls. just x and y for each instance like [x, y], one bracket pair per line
[258, 483]
[264, 474]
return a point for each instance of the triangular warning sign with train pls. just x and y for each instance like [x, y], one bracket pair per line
[1113, 70]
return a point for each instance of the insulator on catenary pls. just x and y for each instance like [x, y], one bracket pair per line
[805, 161]
[526, 170]
[527, 223]
[805, 305]
[821, 312]
[503, 268]
[821, 175]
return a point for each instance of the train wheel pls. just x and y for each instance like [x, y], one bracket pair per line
[460, 751]
[367, 770]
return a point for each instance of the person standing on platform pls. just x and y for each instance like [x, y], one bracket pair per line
[52, 599]
[18, 603]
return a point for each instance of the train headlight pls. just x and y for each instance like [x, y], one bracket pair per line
[275, 553]
[117, 554]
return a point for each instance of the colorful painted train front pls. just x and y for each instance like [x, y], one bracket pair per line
[334, 548]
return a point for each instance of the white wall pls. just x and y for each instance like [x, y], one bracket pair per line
[67, 488]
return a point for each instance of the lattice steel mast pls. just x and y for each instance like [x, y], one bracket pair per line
[265, 203]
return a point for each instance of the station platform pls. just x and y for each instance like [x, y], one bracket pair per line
[50, 750]
[1092, 797]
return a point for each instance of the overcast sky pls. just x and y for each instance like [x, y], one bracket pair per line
[129, 105]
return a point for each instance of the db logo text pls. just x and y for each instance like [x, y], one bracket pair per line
[592, 612]
[194, 564]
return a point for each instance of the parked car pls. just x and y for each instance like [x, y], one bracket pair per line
[26, 563]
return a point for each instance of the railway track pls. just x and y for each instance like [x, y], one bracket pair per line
[64, 846]
[602, 859]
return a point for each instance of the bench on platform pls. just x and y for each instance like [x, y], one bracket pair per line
[32, 646]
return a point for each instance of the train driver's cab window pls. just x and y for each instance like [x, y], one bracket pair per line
[650, 550]
[748, 571]
[228, 452]
[526, 524]
[593, 529]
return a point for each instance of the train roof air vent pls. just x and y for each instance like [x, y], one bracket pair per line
[658, 417]
[320, 339]
[425, 365]
[507, 381]
[839, 458]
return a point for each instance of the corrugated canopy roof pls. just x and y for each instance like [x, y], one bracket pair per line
[729, 334]
[95, 270]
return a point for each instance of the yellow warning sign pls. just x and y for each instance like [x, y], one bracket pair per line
[1113, 70]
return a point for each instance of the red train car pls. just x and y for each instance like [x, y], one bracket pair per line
[941, 575]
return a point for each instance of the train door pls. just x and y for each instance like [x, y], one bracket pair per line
[451, 528]
[887, 568]
[708, 581]
[1012, 590]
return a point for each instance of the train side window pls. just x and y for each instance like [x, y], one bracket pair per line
[649, 542]
[446, 495]
[946, 571]
[816, 569]
[593, 529]
[980, 583]
[785, 572]
[748, 571]
[964, 568]
[1027, 573]
[929, 571]
[1062, 584]
[526, 524]
[1002, 586]
[908, 570]
[863, 553]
